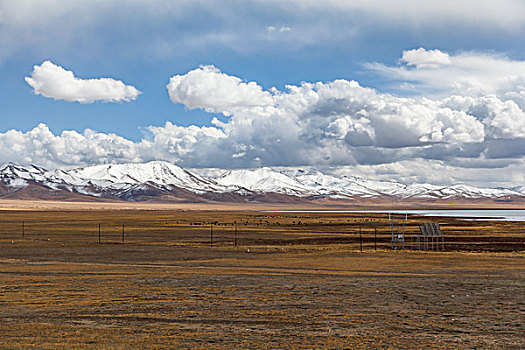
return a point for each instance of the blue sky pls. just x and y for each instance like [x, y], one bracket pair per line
[469, 51]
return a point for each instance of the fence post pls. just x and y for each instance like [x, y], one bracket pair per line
[235, 237]
[392, 229]
[122, 233]
[99, 233]
[360, 239]
[375, 237]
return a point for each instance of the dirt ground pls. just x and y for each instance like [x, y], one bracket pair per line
[294, 280]
[23, 204]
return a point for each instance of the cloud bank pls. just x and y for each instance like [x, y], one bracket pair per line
[52, 81]
[438, 74]
[65, 26]
[338, 124]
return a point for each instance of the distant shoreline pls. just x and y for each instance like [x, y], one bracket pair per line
[11, 204]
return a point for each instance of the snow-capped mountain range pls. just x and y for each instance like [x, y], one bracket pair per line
[162, 181]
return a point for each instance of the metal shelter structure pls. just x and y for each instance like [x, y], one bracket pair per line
[398, 233]
[431, 235]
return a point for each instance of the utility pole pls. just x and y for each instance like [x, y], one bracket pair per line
[23, 229]
[122, 233]
[211, 235]
[98, 233]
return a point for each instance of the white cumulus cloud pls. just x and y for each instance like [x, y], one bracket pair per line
[53, 81]
[337, 123]
[70, 148]
[210, 89]
[422, 58]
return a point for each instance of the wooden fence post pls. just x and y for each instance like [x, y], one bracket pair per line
[375, 237]
[235, 237]
[360, 239]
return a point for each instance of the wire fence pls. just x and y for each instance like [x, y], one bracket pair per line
[364, 234]
[212, 234]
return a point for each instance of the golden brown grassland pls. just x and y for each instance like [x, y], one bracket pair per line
[295, 280]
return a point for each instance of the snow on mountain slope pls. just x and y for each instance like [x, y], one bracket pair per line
[119, 176]
[518, 189]
[264, 180]
[427, 191]
[344, 186]
[16, 176]
[27, 172]
[163, 179]
[466, 191]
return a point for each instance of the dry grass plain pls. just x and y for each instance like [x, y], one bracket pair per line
[294, 280]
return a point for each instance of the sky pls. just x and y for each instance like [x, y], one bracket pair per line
[412, 91]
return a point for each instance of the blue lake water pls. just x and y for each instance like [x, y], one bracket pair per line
[477, 214]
